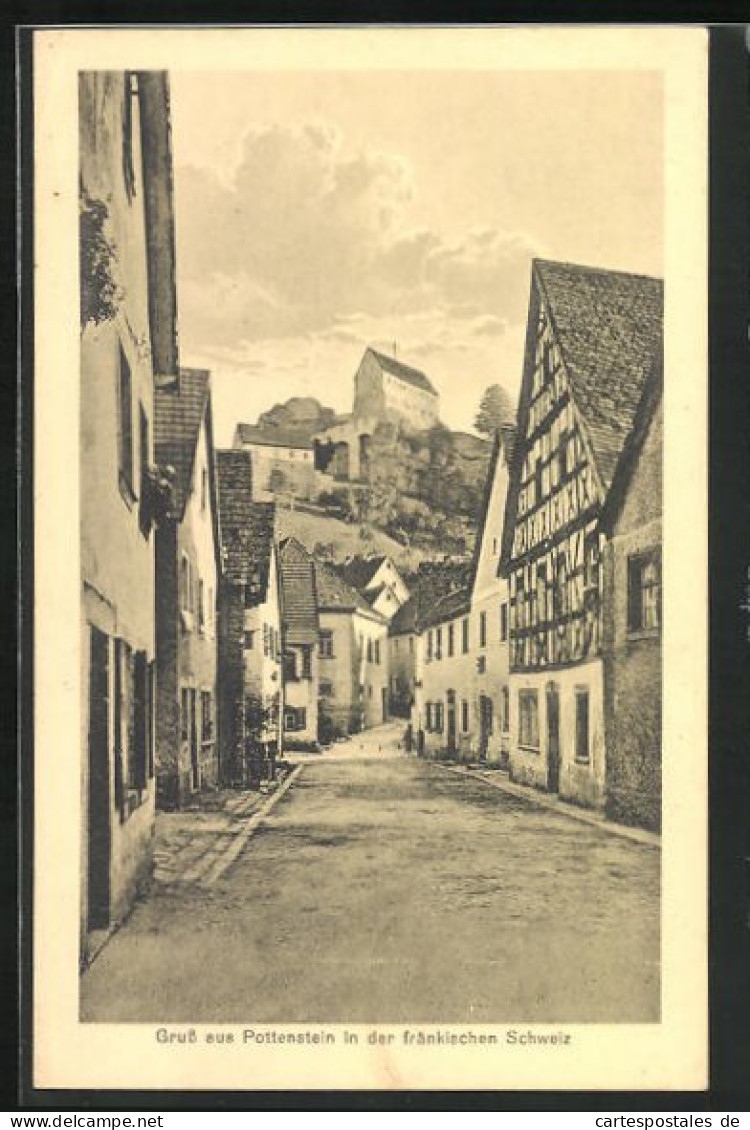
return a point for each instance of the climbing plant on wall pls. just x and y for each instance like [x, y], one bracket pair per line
[100, 293]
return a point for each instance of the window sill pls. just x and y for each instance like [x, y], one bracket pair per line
[529, 748]
[584, 762]
[643, 634]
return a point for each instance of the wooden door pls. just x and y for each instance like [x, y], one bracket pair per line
[553, 738]
[451, 717]
[194, 762]
[99, 845]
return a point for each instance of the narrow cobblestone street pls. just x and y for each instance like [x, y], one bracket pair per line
[382, 889]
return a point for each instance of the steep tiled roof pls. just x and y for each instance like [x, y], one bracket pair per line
[335, 595]
[298, 593]
[246, 527]
[447, 607]
[178, 413]
[609, 328]
[404, 372]
[428, 587]
[358, 571]
[650, 402]
[273, 437]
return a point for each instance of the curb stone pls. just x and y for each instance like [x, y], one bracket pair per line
[636, 835]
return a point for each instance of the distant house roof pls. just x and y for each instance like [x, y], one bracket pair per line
[404, 372]
[428, 586]
[335, 595]
[448, 607]
[359, 571]
[608, 326]
[178, 413]
[246, 527]
[272, 437]
[297, 570]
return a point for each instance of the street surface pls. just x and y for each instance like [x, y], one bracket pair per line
[383, 889]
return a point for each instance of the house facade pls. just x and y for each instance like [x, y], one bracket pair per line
[283, 462]
[443, 713]
[301, 636]
[250, 692]
[632, 647]
[489, 614]
[128, 346]
[386, 389]
[592, 337]
[353, 651]
[187, 573]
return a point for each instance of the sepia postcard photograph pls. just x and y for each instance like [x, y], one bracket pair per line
[371, 431]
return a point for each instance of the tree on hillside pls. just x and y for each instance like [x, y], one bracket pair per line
[495, 409]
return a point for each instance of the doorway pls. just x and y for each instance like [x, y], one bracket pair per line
[195, 776]
[384, 694]
[485, 725]
[553, 738]
[99, 830]
[451, 721]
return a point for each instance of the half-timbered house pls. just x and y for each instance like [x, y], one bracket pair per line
[592, 337]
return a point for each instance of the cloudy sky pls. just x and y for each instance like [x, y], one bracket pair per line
[318, 213]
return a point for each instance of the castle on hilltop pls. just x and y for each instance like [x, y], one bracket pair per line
[385, 391]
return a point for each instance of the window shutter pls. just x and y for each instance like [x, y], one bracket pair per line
[118, 705]
[634, 594]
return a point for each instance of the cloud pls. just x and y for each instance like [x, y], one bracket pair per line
[310, 238]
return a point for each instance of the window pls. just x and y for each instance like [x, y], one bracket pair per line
[505, 709]
[494, 547]
[306, 663]
[439, 643]
[439, 712]
[140, 720]
[451, 638]
[184, 714]
[644, 592]
[266, 640]
[429, 645]
[326, 688]
[563, 454]
[482, 629]
[125, 427]
[186, 587]
[465, 635]
[249, 640]
[504, 621]
[465, 716]
[210, 611]
[207, 724]
[204, 489]
[295, 718]
[144, 516]
[528, 719]
[369, 650]
[377, 651]
[582, 724]
[326, 645]
[201, 607]
[411, 645]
